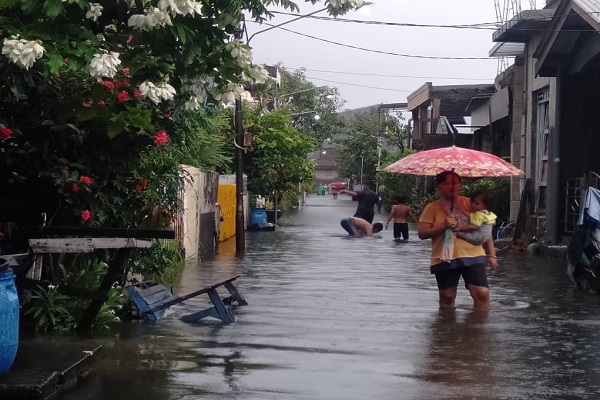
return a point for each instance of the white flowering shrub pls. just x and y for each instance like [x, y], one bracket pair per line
[92, 93]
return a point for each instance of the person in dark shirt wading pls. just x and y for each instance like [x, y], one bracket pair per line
[366, 202]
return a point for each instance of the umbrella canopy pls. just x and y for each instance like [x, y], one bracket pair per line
[338, 185]
[464, 162]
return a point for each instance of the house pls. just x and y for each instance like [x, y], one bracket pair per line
[557, 80]
[326, 168]
[437, 111]
[496, 122]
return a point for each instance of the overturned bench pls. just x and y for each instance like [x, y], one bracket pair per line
[153, 299]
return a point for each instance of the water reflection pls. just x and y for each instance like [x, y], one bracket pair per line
[460, 356]
[330, 318]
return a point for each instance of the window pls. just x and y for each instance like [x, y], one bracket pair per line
[542, 139]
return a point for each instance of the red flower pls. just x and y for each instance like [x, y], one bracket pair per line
[142, 185]
[86, 180]
[122, 82]
[87, 104]
[101, 103]
[167, 115]
[137, 94]
[5, 133]
[129, 39]
[122, 96]
[86, 215]
[75, 187]
[161, 138]
[125, 70]
[108, 84]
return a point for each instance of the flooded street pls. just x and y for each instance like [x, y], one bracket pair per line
[342, 319]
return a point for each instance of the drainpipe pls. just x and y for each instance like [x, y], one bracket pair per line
[409, 130]
[553, 211]
[429, 120]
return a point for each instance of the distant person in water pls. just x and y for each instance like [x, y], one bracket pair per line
[358, 227]
[366, 202]
[400, 213]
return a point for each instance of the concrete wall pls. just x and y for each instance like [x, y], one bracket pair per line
[199, 208]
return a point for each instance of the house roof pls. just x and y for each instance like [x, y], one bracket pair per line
[520, 28]
[477, 101]
[453, 98]
[562, 34]
[591, 8]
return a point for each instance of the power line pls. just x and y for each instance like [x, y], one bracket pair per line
[356, 84]
[483, 25]
[390, 76]
[478, 26]
[379, 51]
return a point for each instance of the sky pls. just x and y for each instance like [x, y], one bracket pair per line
[357, 73]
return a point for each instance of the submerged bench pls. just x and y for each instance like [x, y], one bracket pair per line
[153, 299]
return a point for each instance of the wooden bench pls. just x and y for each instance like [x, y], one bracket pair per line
[153, 299]
[46, 241]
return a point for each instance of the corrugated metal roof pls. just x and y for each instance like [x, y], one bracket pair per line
[592, 7]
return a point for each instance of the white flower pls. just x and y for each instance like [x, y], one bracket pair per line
[224, 20]
[258, 75]
[22, 52]
[104, 65]
[152, 19]
[193, 104]
[183, 7]
[94, 12]
[240, 52]
[157, 92]
[247, 97]
[227, 94]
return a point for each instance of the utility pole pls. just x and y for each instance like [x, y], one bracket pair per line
[240, 229]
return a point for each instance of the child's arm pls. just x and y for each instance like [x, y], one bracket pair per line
[466, 228]
[389, 218]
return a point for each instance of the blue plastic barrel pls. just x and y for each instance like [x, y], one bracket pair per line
[258, 217]
[9, 317]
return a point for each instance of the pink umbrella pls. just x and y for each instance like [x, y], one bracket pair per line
[464, 162]
[338, 185]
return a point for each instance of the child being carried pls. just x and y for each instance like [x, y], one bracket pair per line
[479, 230]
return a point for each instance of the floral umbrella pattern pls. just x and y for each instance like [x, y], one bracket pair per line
[464, 162]
[338, 185]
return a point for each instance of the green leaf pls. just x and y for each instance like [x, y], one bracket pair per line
[55, 62]
[7, 3]
[114, 128]
[85, 114]
[53, 8]
[181, 34]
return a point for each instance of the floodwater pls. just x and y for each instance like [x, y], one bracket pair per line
[336, 318]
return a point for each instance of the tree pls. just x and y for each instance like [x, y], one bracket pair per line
[276, 162]
[313, 108]
[367, 141]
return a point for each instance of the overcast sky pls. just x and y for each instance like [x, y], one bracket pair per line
[296, 51]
